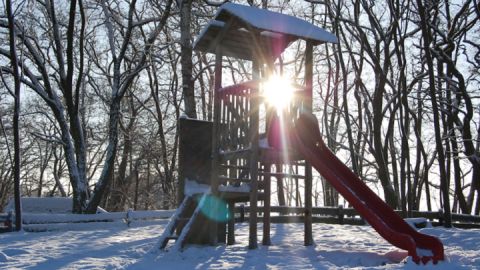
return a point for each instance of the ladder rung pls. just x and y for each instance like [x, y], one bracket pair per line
[239, 167]
[275, 174]
[223, 178]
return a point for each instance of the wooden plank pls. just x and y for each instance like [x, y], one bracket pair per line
[231, 155]
[308, 167]
[465, 218]
[253, 160]
[231, 224]
[238, 42]
[236, 167]
[216, 138]
[266, 209]
[324, 211]
[226, 179]
[282, 174]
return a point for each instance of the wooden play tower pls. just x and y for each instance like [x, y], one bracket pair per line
[229, 160]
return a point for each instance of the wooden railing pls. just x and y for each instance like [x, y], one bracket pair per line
[235, 122]
[340, 215]
[280, 214]
[236, 131]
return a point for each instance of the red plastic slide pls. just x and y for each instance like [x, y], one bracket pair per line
[306, 138]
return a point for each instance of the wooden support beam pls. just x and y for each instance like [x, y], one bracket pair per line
[181, 167]
[231, 224]
[232, 155]
[266, 206]
[215, 140]
[308, 167]
[308, 76]
[282, 174]
[222, 232]
[253, 162]
[225, 179]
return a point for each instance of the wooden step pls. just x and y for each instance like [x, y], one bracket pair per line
[224, 179]
[282, 174]
[235, 154]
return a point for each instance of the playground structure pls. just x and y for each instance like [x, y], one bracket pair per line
[234, 158]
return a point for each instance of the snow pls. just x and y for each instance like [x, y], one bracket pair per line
[43, 205]
[263, 143]
[424, 252]
[192, 187]
[212, 23]
[418, 222]
[277, 22]
[244, 187]
[122, 247]
[50, 222]
[55, 205]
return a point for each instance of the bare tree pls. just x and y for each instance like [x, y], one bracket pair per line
[186, 56]
[121, 82]
[16, 115]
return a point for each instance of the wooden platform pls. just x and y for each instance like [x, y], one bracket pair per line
[236, 197]
[274, 156]
[265, 155]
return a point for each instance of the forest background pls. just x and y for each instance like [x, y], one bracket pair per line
[103, 83]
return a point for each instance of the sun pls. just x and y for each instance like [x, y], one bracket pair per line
[278, 92]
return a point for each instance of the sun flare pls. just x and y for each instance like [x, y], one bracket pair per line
[278, 92]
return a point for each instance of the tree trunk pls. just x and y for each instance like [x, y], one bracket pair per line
[444, 185]
[109, 163]
[16, 116]
[186, 58]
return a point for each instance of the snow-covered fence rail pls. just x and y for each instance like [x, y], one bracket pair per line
[100, 217]
[46, 222]
[340, 215]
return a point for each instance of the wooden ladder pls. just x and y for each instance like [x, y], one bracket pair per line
[182, 220]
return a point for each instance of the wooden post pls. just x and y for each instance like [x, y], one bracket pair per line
[340, 215]
[231, 224]
[181, 170]
[267, 168]
[280, 189]
[308, 167]
[215, 141]
[221, 231]
[242, 213]
[253, 162]
[441, 217]
[266, 205]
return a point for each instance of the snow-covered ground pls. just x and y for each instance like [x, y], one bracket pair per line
[120, 247]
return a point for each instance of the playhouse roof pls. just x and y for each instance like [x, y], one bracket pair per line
[275, 32]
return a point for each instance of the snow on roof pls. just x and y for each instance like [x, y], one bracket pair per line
[276, 22]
